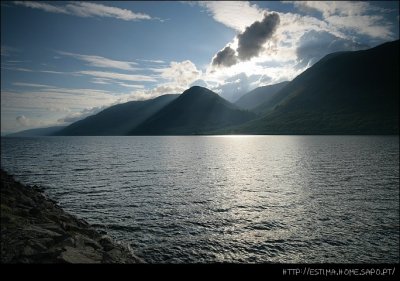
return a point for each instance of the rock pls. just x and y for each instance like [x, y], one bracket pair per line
[74, 255]
[35, 229]
[45, 243]
[34, 211]
[70, 241]
[41, 232]
[38, 188]
[82, 241]
[106, 243]
[112, 255]
[53, 227]
[28, 251]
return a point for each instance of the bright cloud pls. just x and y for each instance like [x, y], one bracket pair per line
[53, 97]
[233, 14]
[131, 86]
[180, 73]
[86, 9]
[373, 26]
[117, 76]
[98, 61]
[22, 84]
[351, 15]
[50, 101]
[328, 8]
[313, 45]
[43, 6]
[163, 89]
[75, 116]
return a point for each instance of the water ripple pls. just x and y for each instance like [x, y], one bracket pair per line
[205, 199]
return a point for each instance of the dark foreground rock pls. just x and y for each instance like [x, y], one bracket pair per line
[34, 229]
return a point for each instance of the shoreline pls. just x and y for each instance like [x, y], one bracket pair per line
[34, 229]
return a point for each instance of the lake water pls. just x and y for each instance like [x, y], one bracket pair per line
[250, 199]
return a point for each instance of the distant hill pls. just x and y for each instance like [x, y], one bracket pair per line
[344, 93]
[196, 111]
[258, 96]
[118, 119]
[37, 132]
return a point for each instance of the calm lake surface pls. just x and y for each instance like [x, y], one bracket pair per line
[250, 199]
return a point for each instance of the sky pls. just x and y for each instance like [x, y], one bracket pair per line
[63, 61]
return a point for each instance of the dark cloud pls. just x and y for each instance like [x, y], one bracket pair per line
[314, 45]
[225, 57]
[251, 41]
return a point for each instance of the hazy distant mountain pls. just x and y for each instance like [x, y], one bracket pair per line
[118, 119]
[195, 111]
[344, 93]
[37, 132]
[258, 96]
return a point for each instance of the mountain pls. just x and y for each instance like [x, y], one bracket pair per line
[37, 132]
[344, 93]
[118, 119]
[196, 111]
[258, 96]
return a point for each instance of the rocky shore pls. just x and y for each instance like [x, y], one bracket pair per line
[34, 229]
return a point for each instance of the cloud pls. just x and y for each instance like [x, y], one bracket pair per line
[131, 86]
[370, 25]
[199, 82]
[58, 109]
[39, 99]
[144, 94]
[180, 73]
[233, 14]
[251, 41]
[355, 16]
[86, 9]
[226, 57]
[98, 61]
[163, 90]
[232, 88]
[153, 61]
[23, 121]
[117, 76]
[102, 81]
[313, 45]
[41, 71]
[22, 69]
[328, 8]
[179, 76]
[264, 80]
[43, 6]
[22, 84]
[76, 116]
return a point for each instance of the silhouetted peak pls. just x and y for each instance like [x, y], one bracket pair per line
[195, 90]
[390, 44]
